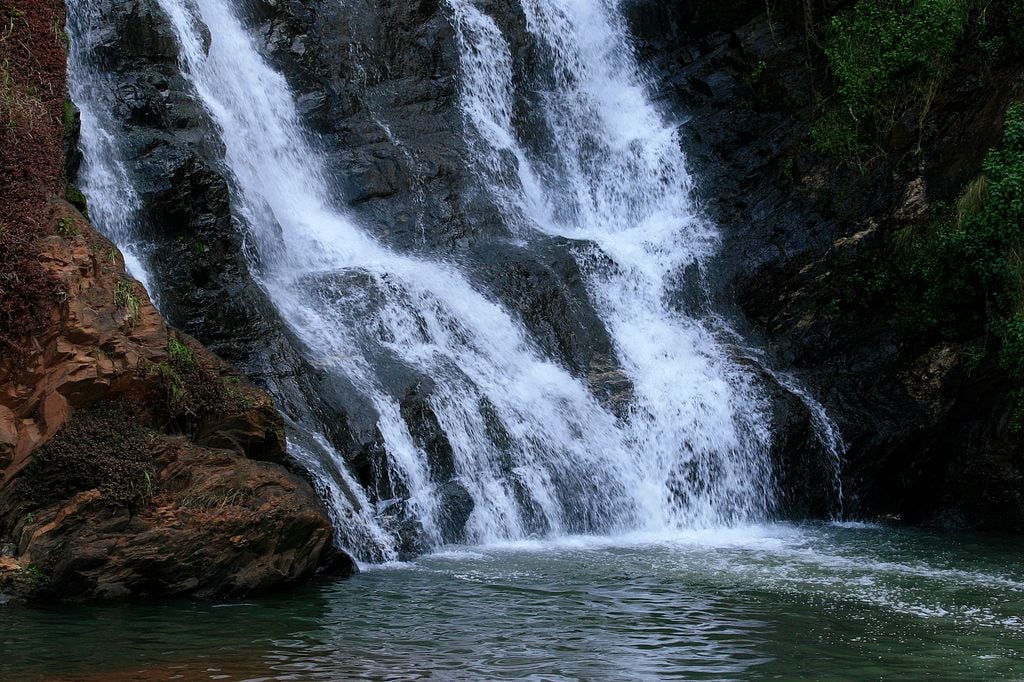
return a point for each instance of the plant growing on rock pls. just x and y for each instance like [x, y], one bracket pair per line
[124, 296]
[967, 269]
[103, 448]
[888, 57]
[193, 391]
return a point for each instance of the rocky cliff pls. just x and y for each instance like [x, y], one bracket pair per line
[133, 462]
[831, 254]
[809, 234]
[188, 495]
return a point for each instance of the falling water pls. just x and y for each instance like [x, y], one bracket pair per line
[113, 202]
[608, 169]
[535, 450]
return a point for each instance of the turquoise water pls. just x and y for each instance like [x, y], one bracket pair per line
[815, 601]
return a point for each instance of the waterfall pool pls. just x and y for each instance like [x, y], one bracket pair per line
[839, 601]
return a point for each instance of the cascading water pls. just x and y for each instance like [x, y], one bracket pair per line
[113, 202]
[608, 169]
[531, 445]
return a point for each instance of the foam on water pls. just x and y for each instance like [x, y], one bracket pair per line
[536, 451]
[691, 453]
[807, 561]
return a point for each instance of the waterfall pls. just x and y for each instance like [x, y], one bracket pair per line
[532, 446]
[608, 169]
[113, 201]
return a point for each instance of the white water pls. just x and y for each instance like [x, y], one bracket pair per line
[611, 172]
[534, 448]
[113, 202]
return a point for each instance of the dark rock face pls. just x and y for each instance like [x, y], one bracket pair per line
[928, 437]
[377, 84]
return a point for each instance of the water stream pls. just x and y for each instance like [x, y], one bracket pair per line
[534, 448]
[604, 541]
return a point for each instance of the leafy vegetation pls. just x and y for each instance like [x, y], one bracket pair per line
[67, 229]
[181, 355]
[31, 72]
[125, 297]
[191, 391]
[888, 58]
[966, 269]
[103, 448]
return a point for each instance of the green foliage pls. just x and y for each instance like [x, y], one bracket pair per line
[67, 229]
[757, 75]
[76, 198]
[181, 355]
[34, 576]
[174, 387]
[886, 55]
[836, 135]
[992, 47]
[786, 167]
[967, 270]
[124, 296]
[191, 391]
[70, 114]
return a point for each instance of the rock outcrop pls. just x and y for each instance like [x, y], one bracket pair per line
[133, 462]
[378, 85]
[927, 420]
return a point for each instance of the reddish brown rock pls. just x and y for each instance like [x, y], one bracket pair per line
[128, 470]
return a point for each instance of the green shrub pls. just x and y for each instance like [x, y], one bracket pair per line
[180, 354]
[886, 56]
[834, 134]
[967, 270]
[192, 391]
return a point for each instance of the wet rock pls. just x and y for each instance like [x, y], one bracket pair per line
[158, 514]
[377, 84]
[924, 435]
[457, 505]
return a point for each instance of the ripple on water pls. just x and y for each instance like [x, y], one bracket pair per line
[786, 601]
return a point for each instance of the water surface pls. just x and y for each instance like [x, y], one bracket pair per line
[818, 601]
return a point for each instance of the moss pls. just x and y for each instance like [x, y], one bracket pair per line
[76, 198]
[69, 116]
[104, 448]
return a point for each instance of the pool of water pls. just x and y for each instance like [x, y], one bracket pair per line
[848, 601]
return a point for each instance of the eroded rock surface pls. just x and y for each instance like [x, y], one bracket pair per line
[133, 462]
